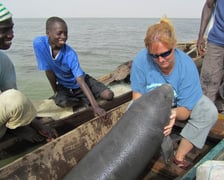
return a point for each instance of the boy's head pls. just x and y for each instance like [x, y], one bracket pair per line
[6, 28]
[57, 31]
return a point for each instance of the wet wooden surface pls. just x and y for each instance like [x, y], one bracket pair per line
[53, 160]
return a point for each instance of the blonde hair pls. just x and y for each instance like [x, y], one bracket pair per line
[161, 32]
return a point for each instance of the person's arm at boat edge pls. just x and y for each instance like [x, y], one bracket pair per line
[96, 109]
[205, 17]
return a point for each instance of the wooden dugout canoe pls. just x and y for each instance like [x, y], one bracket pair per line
[55, 159]
[81, 131]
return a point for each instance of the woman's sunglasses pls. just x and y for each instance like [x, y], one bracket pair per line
[165, 54]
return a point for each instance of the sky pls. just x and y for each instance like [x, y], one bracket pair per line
[105, 8]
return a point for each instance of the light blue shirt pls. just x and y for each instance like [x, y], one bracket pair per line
[184, 78]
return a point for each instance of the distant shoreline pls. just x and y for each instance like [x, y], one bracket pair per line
[103, 18]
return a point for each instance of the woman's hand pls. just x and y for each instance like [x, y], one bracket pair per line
[168, 129]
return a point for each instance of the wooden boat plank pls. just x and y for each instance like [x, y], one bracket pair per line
[217, 130]
[54, 159]
[84, 115]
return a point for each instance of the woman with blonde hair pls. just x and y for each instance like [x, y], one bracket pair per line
[162, 63]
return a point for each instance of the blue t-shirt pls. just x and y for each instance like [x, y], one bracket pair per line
[66, 65]
[216, 34]
[7, 73]
[184, 78]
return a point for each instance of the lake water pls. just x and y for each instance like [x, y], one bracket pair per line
[101, 43]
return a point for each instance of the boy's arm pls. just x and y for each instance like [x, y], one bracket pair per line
[97, 110]
[52, 79]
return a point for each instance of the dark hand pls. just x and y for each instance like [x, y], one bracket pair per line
[201, 47]
[48, 132]
[99, 112]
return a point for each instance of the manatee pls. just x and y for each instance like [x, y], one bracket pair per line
[129, 147]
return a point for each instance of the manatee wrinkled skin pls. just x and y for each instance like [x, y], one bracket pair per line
[128, 148]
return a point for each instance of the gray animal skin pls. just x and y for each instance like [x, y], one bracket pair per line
[125, 152]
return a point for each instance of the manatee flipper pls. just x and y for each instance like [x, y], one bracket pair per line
[167, 149]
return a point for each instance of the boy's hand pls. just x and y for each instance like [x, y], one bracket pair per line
[98, 111]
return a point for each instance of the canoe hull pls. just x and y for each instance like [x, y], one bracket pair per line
[55, 159]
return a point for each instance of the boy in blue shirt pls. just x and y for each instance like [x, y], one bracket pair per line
[69, 82]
